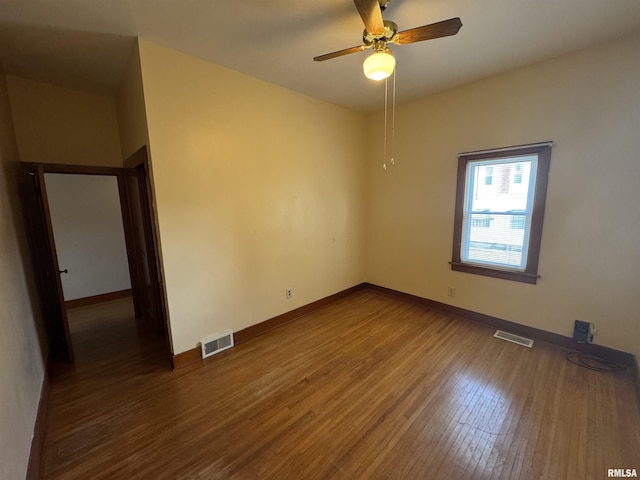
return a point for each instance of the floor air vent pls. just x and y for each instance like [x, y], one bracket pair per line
[510, 337]
[217, 343]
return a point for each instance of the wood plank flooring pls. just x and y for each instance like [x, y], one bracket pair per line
[366, 388]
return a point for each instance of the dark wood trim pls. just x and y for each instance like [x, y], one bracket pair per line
[183, 359]
[512, 327]
[75, 169]
[54, 259]
[139, 162]
[39, 430]
[495, 272]
[138, 157]
[530, 274]
[461, 177]
[191, 356]
[127, 225]
[94, 299]
[42, 263]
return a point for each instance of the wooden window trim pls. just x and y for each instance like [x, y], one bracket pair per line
[530, 273]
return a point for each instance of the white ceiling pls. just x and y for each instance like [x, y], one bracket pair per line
[86, 43]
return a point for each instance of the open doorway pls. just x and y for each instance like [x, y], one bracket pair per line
[88, 231]
[99, 284]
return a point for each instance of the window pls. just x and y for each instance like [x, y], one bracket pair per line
[488, 175]
[517, 177]
[498, 222]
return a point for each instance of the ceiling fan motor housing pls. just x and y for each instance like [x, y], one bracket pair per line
[390, 29]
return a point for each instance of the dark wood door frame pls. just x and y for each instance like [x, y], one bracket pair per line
[137, 165]
[138, 160]
[45, 260]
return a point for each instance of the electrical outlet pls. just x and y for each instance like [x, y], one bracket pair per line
[289, 292]
[451, 291]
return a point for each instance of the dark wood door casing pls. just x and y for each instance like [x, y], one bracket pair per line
[42, 244]
[144, 241]
[140, 237]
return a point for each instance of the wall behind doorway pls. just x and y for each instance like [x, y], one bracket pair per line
[89, 236]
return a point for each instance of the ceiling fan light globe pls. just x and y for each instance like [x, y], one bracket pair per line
[379, 65]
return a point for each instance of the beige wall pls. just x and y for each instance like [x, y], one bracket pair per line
[21, 364]
[588, 104]
[258, 189]
[132, 117]
[60, 125]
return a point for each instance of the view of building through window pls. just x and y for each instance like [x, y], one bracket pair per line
[497, 213]
[498, 222]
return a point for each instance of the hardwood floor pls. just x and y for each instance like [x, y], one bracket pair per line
[366, 388]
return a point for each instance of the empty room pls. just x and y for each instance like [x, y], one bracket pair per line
[350, 239]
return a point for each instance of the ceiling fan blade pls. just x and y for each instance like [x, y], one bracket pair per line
[371, 15]
[428, 32]
[339, 53]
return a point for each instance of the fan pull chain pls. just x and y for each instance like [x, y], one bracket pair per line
[384, 150]
[392, 160]
[393, 119]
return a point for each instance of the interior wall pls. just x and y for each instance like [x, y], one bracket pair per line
[21, 358]
[89, 234]
[587, 104]
[258, 189]
[130, 107]
[60, 125]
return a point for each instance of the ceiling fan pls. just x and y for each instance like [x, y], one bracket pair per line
[379, 33]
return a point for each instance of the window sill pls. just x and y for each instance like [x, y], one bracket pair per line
[524, 277]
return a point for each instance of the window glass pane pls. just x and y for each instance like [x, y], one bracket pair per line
[488, 175]
[503, 193]
[517, 176]
[496, 239]
[497, 214]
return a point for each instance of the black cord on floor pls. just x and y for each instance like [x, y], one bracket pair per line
[594, 363]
